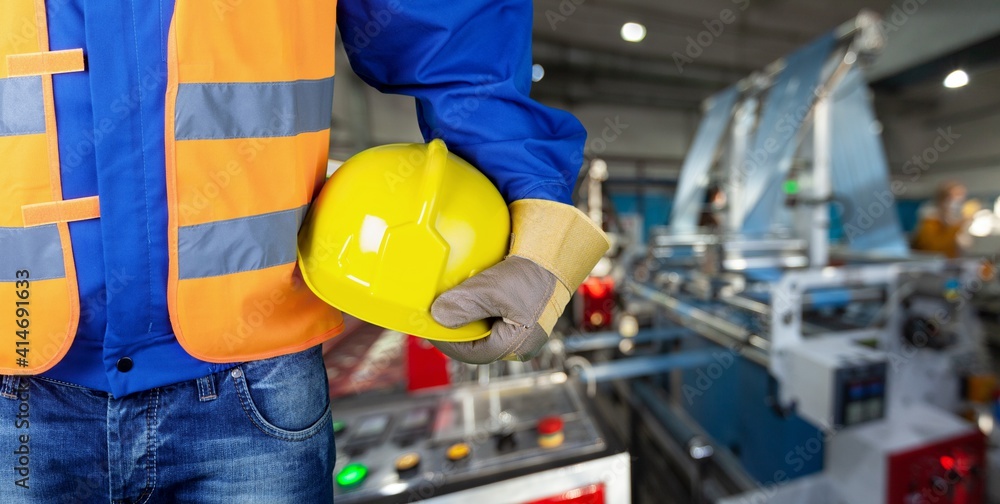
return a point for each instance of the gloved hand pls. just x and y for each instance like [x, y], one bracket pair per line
[554, 247]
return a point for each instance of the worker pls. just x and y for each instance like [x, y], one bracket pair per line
[158, 343]
[943, 223]
[713, 216]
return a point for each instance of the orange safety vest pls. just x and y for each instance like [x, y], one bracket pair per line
[248, 108]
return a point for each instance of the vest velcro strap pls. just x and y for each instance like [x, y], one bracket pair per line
[45, 63]
[40, 214]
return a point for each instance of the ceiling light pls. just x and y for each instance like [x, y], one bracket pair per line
[956, 79]
[633, 32]
[537, 72]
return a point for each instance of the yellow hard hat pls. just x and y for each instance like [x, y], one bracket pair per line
[397, 225]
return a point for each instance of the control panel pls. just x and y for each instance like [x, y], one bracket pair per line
[952, 471]
[859, 393]
[836, 382]
[919, 454]
[445, 440]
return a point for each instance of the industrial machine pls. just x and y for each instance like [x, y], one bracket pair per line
[796, 352]
[527, 439]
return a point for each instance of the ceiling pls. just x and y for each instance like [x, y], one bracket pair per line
[694, 48]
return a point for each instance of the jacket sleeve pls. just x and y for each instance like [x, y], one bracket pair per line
[468, 64]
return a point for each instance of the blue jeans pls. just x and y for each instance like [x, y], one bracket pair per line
[259, 432]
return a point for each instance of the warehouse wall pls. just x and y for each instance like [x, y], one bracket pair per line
[925, 151]
[634, 132]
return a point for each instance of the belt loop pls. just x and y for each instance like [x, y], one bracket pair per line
[10, 386]
[206, 388]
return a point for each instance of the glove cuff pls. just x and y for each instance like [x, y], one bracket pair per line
[557, 237]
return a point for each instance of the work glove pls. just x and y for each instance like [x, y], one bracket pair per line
[553, 248]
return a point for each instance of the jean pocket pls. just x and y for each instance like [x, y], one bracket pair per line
[13, 388]
[285, 397]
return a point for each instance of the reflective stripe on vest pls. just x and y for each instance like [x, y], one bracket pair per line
[37, 276]
[276, 109]
[23, 112]
[35, 250]
[248, 110]
[237, 245]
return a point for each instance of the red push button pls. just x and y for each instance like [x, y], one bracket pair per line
[550, 425]
[550, 432]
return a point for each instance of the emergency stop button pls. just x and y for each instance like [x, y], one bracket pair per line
[550, 432]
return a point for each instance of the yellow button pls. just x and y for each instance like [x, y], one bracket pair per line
[458, 451]
[407, 461]
[551, 440]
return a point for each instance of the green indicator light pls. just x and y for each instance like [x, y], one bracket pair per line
[338, 426]
[791, 187]
[352, 474]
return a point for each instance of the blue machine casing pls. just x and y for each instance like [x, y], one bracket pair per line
[731, 404]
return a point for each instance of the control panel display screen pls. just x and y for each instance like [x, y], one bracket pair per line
[416, 419]
[372, 426]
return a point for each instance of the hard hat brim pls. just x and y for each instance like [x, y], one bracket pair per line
[362, 304]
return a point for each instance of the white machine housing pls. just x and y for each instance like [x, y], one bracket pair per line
[837, 381]
[613, 472]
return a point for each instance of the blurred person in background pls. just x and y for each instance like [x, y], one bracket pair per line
[944, 221]
[713, 214]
